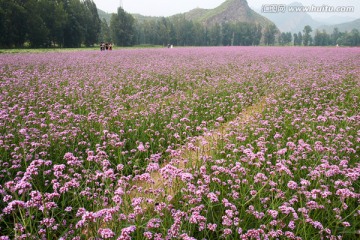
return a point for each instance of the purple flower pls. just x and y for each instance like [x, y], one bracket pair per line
[106, 233]
[141, 147]
[213, 197]
[292, 185]
[126, 232]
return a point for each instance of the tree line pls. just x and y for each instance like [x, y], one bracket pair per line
[179, 31]
[73, 23]
[45, 23]
[125, 30]
[320, 38]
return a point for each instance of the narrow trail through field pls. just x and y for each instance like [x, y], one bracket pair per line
[161, 185]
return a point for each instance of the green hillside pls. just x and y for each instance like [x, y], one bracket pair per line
[105, 15]
[343, 27]
[229, 11]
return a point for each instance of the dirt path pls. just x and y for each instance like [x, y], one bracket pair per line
[162, 183]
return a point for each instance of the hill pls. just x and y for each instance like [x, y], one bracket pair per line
[333, 20]
[229, 11]
[105, 15]
[343, 27]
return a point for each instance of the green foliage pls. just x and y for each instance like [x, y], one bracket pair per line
[104, 35]
[37, 30]
[13, 23]
[286, 38]
[122, 28]
[182, 32]
[74, 23]
[269, 34]
[350, 39]
[321, 38]
[307, 39]
[92, 23]
[45, 23]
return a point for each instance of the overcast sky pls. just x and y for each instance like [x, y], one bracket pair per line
[168, 7]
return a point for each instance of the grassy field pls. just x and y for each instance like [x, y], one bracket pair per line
[183, 143]
[45, 50]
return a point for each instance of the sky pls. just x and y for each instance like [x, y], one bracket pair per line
[168, 7]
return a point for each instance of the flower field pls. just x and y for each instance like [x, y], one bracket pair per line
[184, 143]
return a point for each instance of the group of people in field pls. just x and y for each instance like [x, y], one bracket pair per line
[105, 46]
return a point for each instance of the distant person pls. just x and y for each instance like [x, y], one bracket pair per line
[107, 46]
[102, 46]
[110, 46]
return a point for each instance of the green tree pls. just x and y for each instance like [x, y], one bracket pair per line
[104, 35]
[215, 35]
[285, 38]
[349, 38]
[355, 37]
[37, 31]
[92, 23]
[321, 38]
[74, 31]
[13, 25]
[122, 28]
[334, 36]
[163, 30]
[199, 34]
[54, 16]
[227, 33]
[189, 33]
[307, 39]
[269, 34]
[242, 35]
[184, 31]
[256, 33]
[296, 39]
[300, 39]
[288, 38]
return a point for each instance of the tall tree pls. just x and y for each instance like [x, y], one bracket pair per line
[307, 39]
[199, 34]
[269, 34]
[227, 32]
[300, 38]
[285, 38]
[13, 25]
[350, 38]
[355, 37]
[163, 30]
[334, 36]
[321, 38]
[215, 35]
[122, 28]
[104, 35]
[296, 39]
[54, 17]
[37, 31]
[74, 32]
[92, 23]
[257, 34]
